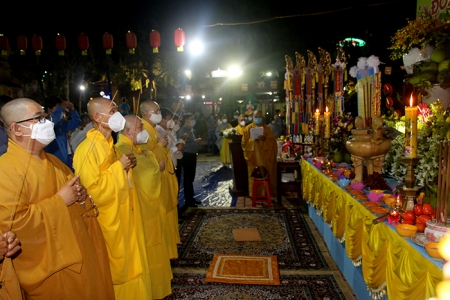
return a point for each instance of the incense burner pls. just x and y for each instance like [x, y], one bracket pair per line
[368, 146]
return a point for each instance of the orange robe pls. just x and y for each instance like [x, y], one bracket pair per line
[169, 190]
[147, 181]
[63, 254]
[261, 153]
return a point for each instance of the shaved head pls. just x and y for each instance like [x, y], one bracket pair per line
[17, 109]
[99, 105]
[133, 126]
[148, 105]
[132, 122]
[257, 114]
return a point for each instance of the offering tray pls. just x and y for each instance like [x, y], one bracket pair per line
[420, 239]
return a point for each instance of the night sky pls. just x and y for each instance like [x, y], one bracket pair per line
[322, 24]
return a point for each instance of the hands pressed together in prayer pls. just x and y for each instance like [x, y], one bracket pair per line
[185, 136]
[73, 191]
[9, 244]
[261, 137]
[128, 161]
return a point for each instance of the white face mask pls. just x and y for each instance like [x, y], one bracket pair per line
[235, 117]
[142, 137]
[219, 122]
[156, 119]
[42, 132]
[116, 122]
[242, 123]
[192, 123]
[176, 127]
[225, 120]
[249, 118]
[170, 124]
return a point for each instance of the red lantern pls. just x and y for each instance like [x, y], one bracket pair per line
[36, 43]
[83, 43]
[131, 41]
[60, 41]
[108, 42]
[180, 39]
[22, 44]
[4, 45]
[155, 40]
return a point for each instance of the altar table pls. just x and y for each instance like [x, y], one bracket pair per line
[390, 265]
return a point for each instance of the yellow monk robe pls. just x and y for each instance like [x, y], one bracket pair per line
[261, 153]
[119, 214]
[240, 129]
[225, 155]
[63, 254]
[147, 181]
[169, 187]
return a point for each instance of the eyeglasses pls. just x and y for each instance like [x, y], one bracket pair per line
[41, 119]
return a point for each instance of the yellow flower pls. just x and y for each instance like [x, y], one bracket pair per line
[448, 134]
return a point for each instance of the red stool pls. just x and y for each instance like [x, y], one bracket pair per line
[261, 199]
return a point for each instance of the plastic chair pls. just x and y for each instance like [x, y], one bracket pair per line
[264, 198]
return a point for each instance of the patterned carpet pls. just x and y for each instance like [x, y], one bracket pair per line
[284, 232]
[295, 287]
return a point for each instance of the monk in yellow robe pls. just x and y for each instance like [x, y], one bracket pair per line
[260, 151]
[222, 142]
[63, 253]
[109, 181]
[151, 116]
[241, 125]
[147, 180]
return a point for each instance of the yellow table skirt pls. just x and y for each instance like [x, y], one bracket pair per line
[389, 263]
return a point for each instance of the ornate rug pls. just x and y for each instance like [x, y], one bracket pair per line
[284, 232]
[244, 269]
[293, 287]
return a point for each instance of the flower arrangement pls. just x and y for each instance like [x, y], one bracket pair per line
[341, 129]
[423, 45]
[417, 33]
[229, 132]
[433, 127]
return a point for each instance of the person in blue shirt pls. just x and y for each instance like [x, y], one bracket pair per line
[189, 160]
[65, 118]
[124, 108]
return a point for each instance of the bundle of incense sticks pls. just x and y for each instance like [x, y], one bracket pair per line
[443, 182]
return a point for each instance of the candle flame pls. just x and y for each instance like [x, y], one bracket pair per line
[317, 110]
[411, 101]
[327, 108]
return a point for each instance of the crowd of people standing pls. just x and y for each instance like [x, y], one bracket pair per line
[101, 213]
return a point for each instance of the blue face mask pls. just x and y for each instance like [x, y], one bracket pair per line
[192, 123]
[257, 120]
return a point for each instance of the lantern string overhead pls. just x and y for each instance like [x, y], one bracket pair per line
[84, 44]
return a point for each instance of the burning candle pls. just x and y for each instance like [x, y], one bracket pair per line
[327, 115]
[411, 130]
[317, 122]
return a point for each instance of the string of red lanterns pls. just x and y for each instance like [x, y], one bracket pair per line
[83, 42]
